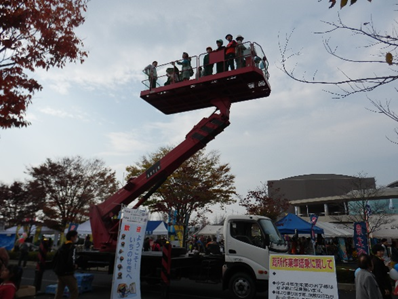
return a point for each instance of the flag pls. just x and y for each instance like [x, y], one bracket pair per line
[391, 205]
[368, 210]
[360, 237]
[313, 220]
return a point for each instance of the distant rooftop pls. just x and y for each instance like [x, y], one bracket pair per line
[319, 177]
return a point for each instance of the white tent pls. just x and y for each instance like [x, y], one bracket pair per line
[44, 230]
[332, 230]
[84, 228]
[211, 230]
[389, 230]
[161, 229]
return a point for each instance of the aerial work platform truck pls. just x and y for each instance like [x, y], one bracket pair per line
[243, 266]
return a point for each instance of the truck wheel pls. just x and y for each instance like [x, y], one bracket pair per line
[242, 286]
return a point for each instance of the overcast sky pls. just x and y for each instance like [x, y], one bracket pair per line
[94, 109]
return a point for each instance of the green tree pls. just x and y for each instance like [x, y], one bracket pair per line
[258, 202]
[199, 183]
[34, 34]
[69, 186]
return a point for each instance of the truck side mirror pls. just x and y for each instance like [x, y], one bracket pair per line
[266, 240]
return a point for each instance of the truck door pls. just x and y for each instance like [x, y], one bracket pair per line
[246, 244]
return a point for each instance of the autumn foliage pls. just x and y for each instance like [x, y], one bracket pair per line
[258, 202]
[19, 202]
[199, 183]
[69, 186]
[34, 34]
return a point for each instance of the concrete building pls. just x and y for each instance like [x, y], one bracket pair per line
[331, 195]
[299, 190]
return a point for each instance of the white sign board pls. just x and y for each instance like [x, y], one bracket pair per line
[302, 277]
[126, 274]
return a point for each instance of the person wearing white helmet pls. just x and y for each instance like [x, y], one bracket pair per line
[239, 49]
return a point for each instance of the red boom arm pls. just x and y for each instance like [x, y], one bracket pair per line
[102, 217]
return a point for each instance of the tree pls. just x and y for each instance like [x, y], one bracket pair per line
[34, 34]
[258, 202]
[361, 204]
[382, 59]
[69, 186]
[200, 182]
[19, 203]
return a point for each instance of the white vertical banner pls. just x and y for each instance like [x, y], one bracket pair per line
[126, 274]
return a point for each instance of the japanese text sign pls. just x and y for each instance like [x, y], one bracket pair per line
[302, 276]
[126, 277]
[360, 237]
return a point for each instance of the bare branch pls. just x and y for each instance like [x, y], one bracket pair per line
[386, 43]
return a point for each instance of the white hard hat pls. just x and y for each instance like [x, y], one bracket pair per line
[240, 37]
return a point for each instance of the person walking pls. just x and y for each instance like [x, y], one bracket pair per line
[366, 286]
[24, 253]
[380, 271]
[64, 266]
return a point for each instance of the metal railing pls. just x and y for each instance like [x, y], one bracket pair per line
[246, 54]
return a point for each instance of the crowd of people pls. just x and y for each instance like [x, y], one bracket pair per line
[64, 265]
[154, 245]
[373, 278]
[234, 57]
[204, 245]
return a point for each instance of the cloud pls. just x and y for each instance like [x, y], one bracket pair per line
[94, 109]
[74, 114]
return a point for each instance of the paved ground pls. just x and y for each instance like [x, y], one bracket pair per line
[184, 289]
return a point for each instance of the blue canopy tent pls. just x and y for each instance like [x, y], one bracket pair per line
[290, 223]
[156, 228]
[7, 240]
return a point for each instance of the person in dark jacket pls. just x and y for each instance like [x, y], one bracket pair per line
[380, 271]
[64, 266]
[24, 249]
[208, 67]
[220, 65]
[394, 252]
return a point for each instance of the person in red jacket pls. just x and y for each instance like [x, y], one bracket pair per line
[11, 276]
[230, 52]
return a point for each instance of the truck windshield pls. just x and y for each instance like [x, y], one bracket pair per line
[275, 238]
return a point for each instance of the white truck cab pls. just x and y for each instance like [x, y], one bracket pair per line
[248, 242]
